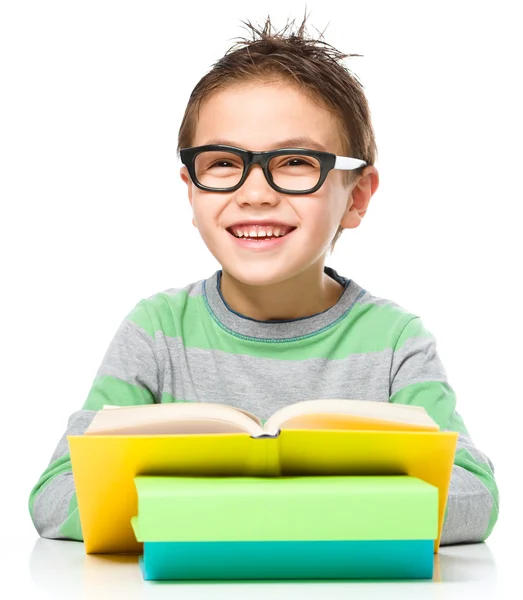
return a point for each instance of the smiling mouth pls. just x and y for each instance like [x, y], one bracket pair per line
[260, 237]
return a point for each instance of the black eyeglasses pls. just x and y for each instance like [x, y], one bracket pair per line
[219, 168]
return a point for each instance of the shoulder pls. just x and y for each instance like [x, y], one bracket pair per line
[162, 309]
[383, 318]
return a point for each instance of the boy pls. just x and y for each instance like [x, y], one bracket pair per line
[274, 325]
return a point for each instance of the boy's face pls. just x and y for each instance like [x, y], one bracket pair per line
[262, 116]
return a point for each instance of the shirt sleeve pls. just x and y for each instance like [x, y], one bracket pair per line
[418, 378]
[128, 375]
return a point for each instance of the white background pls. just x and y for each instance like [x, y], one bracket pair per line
[95, 217]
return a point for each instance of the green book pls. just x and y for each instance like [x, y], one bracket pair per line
[196, 509]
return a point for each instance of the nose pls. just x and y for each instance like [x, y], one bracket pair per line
[256, 189]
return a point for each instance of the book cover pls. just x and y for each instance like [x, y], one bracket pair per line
[104, 467]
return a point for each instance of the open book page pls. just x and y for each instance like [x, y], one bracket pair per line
[211, 418]
[350, 414]
[174, 418]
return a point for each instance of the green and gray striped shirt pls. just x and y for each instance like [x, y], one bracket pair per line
[188, 345]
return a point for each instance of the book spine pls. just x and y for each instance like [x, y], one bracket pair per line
[272, 446]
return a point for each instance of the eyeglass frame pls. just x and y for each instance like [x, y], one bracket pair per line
[327, 160]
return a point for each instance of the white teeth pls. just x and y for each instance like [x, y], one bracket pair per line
[258, 232]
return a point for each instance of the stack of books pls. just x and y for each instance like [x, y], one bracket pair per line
[354, 527]
[324, 488]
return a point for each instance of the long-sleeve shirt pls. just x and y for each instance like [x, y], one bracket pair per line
[188, 345]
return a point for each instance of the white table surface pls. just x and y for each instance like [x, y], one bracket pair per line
[56, 569]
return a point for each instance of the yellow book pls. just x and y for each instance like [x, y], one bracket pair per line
[314, 437]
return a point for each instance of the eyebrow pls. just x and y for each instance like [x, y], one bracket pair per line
[296, 142]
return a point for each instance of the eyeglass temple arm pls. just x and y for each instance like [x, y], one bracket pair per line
[348, 164]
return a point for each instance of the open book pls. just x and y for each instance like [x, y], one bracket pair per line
[311, 437]
[210, 418]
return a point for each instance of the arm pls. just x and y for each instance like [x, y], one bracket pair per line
[418, 377]
[128, 375]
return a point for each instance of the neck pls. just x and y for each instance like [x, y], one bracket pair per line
[304, 295]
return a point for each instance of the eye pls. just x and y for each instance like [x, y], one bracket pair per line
[224, 163]
[296, 162]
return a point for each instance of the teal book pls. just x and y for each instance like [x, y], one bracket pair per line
[307, 527]
[389, 559]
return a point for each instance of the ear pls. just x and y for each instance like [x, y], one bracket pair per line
[184, 174]
[360, 195]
